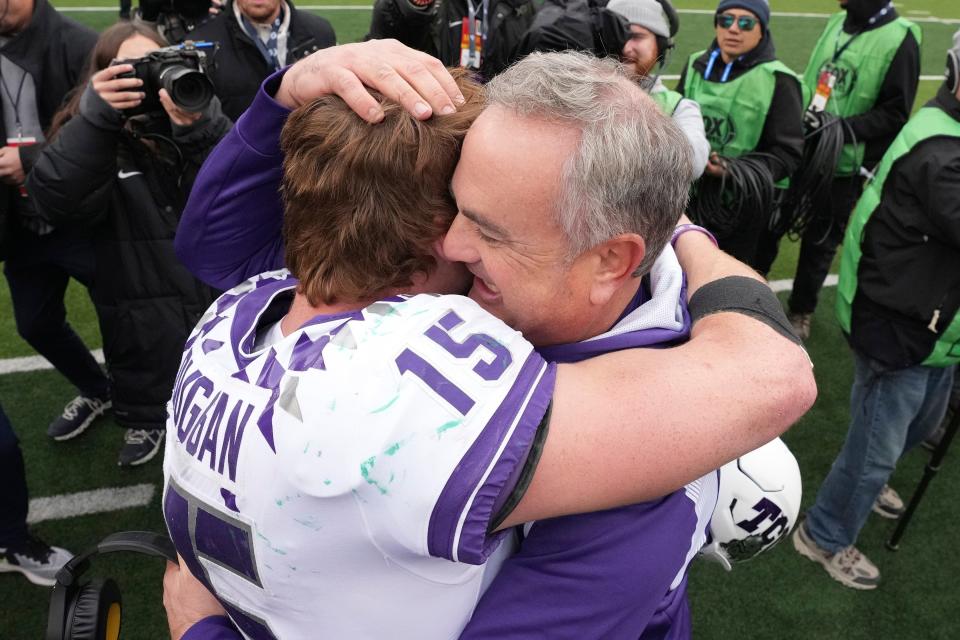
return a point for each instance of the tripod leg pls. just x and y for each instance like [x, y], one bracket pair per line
[928, 472]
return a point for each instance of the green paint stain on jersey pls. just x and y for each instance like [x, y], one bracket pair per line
[392, 449]
[386, 406]
[270, 545]
[447, 426]
[365, 468]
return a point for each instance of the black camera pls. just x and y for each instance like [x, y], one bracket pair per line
[178, 69]
[175, 19]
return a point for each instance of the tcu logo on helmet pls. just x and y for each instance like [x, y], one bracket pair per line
[758, 504]
[764, 531]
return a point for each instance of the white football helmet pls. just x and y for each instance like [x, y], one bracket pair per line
[758, 504]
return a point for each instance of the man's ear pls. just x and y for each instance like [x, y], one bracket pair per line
[615, 262]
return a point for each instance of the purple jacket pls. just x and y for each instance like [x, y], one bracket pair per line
[598, 575]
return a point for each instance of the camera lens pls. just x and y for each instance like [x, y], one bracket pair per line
[190, 89]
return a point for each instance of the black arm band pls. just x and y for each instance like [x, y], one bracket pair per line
[740, 294]
[526, 475]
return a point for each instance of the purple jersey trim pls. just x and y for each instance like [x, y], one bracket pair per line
[577, 351]
[212, 628]
[475, 544]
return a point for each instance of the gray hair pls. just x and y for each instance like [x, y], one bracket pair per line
[631, 170]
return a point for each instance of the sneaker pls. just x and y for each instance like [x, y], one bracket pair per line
[888, 504]
[77, 416]
[140, 446]
[801, 324]
[849, 567]
[35, 559]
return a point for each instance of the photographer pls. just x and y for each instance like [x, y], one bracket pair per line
[256, 38]
[127, 177]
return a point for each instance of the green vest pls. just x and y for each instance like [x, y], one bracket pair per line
[861, 69]
[667, 101]
[928, 123]
[734, 112]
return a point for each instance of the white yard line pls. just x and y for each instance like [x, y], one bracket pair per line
[708, 12]
[35, 363]
[70, 505]
[787, 285]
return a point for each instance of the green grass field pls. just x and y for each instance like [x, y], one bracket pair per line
[780, 595]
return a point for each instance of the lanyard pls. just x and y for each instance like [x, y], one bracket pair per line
[15, 102]
[472, 17]
[712, 61]
[838, 50]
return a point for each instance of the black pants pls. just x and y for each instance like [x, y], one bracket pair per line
[38, 269]
[13, 496]
[820, 241]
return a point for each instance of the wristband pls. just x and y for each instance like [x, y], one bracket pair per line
[679, 231]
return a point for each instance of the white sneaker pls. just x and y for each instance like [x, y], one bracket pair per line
[35, 559]
[849, 567]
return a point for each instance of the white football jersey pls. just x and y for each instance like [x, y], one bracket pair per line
[339, 482]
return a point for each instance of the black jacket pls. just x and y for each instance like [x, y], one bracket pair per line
[782, 133]
[910, 265]
[437, 28]
[881, 124]
[582, 25]
[53, 49]
[239, 67]
[131, 191]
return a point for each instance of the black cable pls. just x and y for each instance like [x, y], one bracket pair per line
[746, 191]
[807, 200]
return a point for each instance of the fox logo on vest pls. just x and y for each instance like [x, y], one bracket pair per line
[719, 126]
[846, 77]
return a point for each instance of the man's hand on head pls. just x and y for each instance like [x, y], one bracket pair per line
[186, 600]
[412, 78]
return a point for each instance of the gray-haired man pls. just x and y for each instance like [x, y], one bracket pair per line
[567, 136]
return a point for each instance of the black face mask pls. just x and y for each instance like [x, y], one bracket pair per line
[860, 11]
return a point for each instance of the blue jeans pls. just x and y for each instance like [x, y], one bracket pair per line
[891, 411]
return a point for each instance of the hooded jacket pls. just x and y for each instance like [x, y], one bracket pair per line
[129, 184]
[53, 49]
[782, 134]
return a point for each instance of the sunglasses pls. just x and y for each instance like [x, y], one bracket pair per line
[745, 23]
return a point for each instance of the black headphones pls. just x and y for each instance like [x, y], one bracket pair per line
[673, 18]
[953, 65]
[91, 610]
[664, 45]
